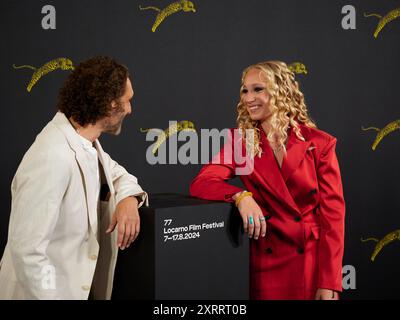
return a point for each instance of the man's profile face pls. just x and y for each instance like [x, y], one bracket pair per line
[120, 110]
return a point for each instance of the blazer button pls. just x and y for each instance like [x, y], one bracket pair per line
[86, 288]
[93, 257]
[313, 191]
[297, 219]
[268, 250]
[300, 250]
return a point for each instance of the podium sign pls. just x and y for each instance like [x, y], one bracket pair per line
[187, 249]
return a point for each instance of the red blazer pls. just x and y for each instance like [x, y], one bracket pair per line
[304, 208]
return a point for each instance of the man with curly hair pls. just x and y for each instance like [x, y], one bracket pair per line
[72, 205]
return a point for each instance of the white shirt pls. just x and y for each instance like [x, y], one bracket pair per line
[93, 164]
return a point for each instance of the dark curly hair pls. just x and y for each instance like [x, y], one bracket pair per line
[87, 93]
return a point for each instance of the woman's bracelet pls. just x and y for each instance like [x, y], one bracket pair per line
[241, 196]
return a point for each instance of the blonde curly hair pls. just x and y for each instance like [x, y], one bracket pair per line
[286, 103]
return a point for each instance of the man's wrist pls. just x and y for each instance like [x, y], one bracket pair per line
[136, 198]
[130, 198]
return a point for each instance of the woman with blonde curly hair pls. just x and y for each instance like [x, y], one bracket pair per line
[293, 207]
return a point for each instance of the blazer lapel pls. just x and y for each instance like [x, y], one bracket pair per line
[269, 172]
[74, 142]
[296, 150]
[91, 203]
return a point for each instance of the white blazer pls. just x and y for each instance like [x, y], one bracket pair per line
[57, 247]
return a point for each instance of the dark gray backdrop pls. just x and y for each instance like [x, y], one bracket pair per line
[190, 69]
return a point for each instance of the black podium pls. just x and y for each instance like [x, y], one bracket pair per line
[187, 249]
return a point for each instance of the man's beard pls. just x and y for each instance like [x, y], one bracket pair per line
[113, 129]
[109, 125]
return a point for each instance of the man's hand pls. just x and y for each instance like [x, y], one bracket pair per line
[126, 216]
[326, 294]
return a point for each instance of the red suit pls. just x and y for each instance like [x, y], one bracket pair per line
[304, 209]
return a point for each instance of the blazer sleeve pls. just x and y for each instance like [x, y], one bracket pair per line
[37, 190]
[125, 184]
[211, 182]
[332, 212]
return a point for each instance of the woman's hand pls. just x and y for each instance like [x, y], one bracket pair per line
[326, 294]
[252, 216]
